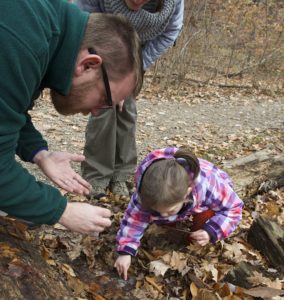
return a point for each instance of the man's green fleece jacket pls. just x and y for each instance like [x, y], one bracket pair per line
[40, 41]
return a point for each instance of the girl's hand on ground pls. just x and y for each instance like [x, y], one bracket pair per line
[122, 265]
[200, 236]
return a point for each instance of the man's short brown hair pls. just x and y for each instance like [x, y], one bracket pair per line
[116, 41]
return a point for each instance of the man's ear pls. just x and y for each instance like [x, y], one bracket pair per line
[87, 63]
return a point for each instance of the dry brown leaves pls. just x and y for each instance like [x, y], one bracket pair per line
[164, 268]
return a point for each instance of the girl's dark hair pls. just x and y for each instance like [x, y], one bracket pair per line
[166, 181]
[191, 161]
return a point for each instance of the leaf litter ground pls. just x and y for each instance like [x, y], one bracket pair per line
[218, 124]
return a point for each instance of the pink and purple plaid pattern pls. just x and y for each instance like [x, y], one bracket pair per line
[212, 189]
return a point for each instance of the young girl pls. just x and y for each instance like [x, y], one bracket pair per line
[172, 185]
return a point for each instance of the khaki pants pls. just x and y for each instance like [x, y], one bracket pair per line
[110, 146]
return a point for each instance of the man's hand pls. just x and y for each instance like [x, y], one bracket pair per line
[120, 105]
[122, 265]
[200, 236]
[85, 218]
[56, 166]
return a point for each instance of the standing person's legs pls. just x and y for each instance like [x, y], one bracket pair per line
[126, 154]
[100, 147]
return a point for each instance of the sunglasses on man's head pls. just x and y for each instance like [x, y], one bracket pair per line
[106, 81]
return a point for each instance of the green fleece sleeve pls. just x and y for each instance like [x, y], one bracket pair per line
[24, 59]
[21, 195]
[30, 141]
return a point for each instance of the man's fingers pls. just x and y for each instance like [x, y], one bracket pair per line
[96, 230]
[65, 184]
[79, 189]
[102, 217]
[75, 185]
[85, 218]
[103, 212]
[78, 181]
[120, 105]
[82, 181]
[76, 157]
[103, 222]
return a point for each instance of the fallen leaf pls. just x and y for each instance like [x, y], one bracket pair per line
[98, 297]
[59, 226]
[193, 289]
[76, 284]
[258, 279]
[15, 271]
[208, 267]
[176, 260]
[158, 267]
[152, 281]
[7, 251]
[205, 294]
[263, 292]
[67, 269]
[93, 288]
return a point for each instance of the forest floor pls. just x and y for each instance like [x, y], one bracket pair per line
[218, 124]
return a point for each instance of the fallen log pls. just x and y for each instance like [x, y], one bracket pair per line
[24, 274]
[268, 237]
[258, 172]
[240, 273]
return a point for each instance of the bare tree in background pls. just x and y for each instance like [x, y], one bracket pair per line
[226, 41]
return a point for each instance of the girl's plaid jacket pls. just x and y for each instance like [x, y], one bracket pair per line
[212, 189]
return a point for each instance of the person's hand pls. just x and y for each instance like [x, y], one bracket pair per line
[120, 105]
[56, 166]
[200, 236]
[85, 218]
[122, 265]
